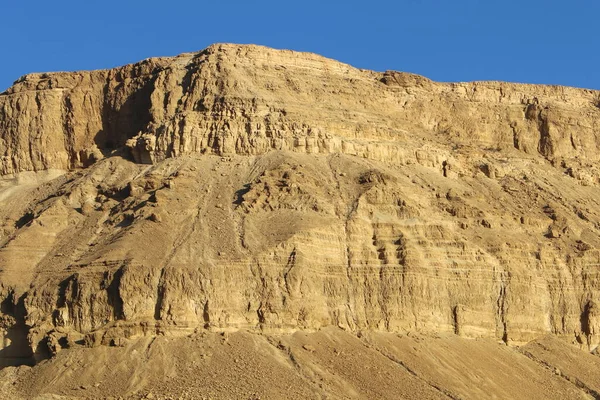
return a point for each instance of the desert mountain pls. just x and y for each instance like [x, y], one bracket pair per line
[280, 209]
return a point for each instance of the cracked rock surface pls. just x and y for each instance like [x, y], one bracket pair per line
[249, 209]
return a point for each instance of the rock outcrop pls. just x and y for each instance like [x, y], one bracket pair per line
[248, 188]
[250, 100]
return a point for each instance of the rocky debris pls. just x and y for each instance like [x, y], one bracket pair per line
[338, 366]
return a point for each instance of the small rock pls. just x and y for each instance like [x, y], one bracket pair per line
[554, 231]
[485, 223]
[308, 347]
[87, 208]
[135, 191]
[154, 217]
[281, 346]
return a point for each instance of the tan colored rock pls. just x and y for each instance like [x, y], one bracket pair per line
[245, 188]
[231, 99]
[338, 366]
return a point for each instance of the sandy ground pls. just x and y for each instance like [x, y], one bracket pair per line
[329, 364]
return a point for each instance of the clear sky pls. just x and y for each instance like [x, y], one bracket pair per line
[551, 41]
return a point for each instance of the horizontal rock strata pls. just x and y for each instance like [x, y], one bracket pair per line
[248, 188]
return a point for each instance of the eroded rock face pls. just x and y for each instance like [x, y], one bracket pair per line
[249, 100]
[249, 188]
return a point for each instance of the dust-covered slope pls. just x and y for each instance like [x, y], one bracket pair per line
[245, 188]
[329, 364]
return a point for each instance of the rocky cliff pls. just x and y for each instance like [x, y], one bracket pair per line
[248, 188]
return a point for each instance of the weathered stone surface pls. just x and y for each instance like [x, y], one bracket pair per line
[248, 100]
[249, 188]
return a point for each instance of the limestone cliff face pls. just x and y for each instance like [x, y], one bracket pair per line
[249, 188]
[249, 100]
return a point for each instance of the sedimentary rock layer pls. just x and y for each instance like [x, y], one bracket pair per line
[248, 188]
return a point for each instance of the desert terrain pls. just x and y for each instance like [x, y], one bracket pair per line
[244, 222]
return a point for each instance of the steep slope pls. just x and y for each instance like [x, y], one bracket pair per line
[245, 188]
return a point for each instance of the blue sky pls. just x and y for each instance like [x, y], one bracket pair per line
[552, 42]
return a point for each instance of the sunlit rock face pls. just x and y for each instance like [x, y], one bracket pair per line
[243, 187]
